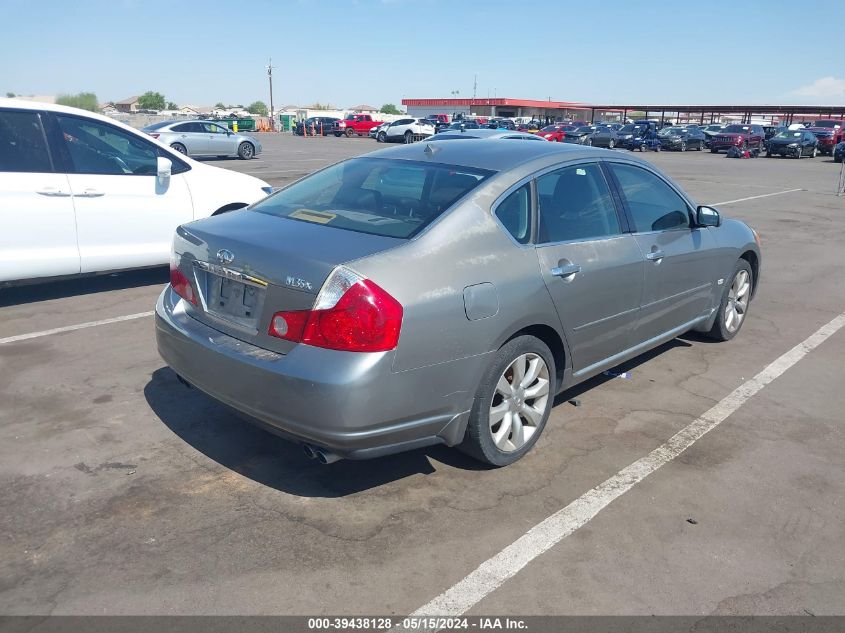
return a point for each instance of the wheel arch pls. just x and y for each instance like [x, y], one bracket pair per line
[753, 261]
[553, 341]
[229, 207]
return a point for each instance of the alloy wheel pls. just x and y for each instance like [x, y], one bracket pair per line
[738, 296]
[519, 402]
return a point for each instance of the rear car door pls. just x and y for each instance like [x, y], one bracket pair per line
[38, 236]
[679, 257]
[591, 267]
[125, 215]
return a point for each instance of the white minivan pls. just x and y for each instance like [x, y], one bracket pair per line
[81, 193]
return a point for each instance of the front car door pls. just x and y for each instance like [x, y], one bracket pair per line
[679, 257]
[220, 141]
[38, 236]
[125, 215]
[592, 268]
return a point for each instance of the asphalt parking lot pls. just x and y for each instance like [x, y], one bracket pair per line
[124, 492]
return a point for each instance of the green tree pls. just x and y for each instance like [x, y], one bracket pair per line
[172, 106]
[10, 95]
[219, 106]
[257, 107]
[151, 101]
[389, 108]
[82, 100]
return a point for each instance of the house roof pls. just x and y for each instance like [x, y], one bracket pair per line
[127, 101]
[364, 108]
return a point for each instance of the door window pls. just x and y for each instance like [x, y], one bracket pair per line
[98, 148]
[575, 204]
[212, 128]
[514, 212]
[23, 147]
[183, 127]
[654, 205]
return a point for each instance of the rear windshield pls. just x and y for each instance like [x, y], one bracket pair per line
[391, 198]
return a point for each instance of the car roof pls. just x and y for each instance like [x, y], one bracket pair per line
[496, 154]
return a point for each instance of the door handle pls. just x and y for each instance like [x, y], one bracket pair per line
[655, 256]
[566, 271]
[52, 192]
[90, 193]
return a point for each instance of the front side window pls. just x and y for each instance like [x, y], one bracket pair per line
[211, 128]
[654, 205]
[575, 204]
[23, 147]
[377, 196]
[97, 148]
[514, 212]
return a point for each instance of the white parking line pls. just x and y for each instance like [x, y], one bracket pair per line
[496, 570]
[72, 328]
[765, 195]
[274, 171]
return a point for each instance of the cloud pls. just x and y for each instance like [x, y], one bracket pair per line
[824, 88]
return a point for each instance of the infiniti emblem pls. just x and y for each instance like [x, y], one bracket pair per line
[225, 256]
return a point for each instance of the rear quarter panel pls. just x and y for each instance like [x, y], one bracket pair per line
[428, 276]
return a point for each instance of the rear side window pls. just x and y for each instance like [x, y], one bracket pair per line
[514, 212]
[182, 127]
[654, 205]
[391, 198]
[575, 204]
[23, 147]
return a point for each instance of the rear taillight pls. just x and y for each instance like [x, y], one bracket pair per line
[180, 284]
[351, 314]
[154, 134]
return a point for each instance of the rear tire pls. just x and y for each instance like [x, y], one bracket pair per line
[683, 146]
[522, 417]
[180, 148]
[725, 327]
[246, 151]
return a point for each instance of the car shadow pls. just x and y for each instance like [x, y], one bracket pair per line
[223, 436]
[628, 366]
[83, 285]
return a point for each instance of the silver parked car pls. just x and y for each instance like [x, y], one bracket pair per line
[204, 138]
[486, 133]
[445, 292]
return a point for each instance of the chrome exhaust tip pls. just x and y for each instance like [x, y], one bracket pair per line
[309, 451]
[326, 457]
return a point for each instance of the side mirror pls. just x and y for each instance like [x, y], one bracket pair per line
[707, 216]
[164, 167]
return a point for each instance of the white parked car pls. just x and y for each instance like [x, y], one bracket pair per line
[404, 130]
[82, 193]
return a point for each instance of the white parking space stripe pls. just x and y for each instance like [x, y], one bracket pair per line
[72, 328]
[496, 570]
[765, 195]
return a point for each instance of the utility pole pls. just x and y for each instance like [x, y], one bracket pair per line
[474, 86]
[270, 77]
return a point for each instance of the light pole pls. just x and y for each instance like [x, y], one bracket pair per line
[270, 77]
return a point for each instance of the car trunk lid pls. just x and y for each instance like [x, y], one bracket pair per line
[246, 266]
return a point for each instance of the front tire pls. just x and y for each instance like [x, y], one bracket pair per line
[512, 404]
[734, 305]
[683, 146]
[611, 144]
[409, 138]
[350, 132]
[246, 151]
[381, 137]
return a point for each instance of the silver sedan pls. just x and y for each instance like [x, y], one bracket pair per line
[444, 293]
[204, 138]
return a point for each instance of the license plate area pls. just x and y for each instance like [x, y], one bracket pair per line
[236, 301]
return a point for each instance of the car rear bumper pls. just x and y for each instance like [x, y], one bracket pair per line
[349, 403]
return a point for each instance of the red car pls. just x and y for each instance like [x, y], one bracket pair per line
[555, 133]
[353, 124]
[743, 136]
[829, 132]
